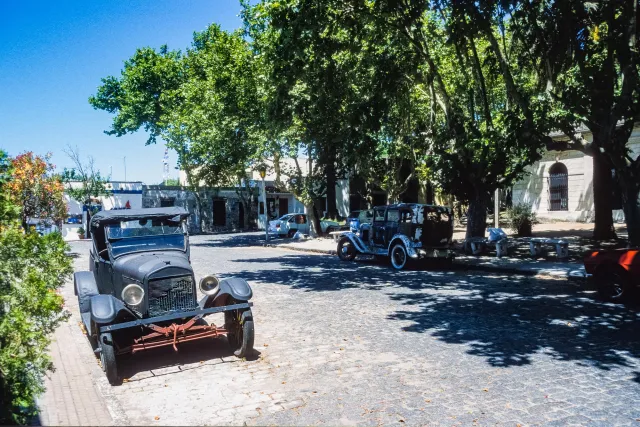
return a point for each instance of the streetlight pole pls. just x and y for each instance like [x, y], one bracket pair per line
[263, 173]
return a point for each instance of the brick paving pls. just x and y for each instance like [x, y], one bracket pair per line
[357, 343]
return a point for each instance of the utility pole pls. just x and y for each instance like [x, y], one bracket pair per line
[496, 208]
[263, 173]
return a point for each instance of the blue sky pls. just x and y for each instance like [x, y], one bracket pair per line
[53, 55]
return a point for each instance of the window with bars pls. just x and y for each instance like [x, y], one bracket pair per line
[558, 188]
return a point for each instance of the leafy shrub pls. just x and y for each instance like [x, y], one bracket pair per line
[521, 217]
[32, 269]
[81, 231]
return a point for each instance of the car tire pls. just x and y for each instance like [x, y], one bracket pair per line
[613, 284]
[108, 358]
[346, 250]
[240, 331]
[399, 257]
[291, 233]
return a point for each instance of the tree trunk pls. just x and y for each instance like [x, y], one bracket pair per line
[314, 221]
[430, 197]
[332, 206]
[602, 198]
[477, 215]
[632, 213]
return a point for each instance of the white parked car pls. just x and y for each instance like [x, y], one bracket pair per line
[287, 225]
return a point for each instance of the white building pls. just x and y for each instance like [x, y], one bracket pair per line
[124, 195]
[560, 185]
[280, 202]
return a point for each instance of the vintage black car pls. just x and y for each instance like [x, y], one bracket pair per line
[402, 232]
[140, 292]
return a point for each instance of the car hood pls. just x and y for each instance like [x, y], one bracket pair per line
[141, 265]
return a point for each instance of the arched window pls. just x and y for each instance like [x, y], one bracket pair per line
[558, 188]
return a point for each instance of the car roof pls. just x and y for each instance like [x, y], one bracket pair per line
[410, 205]
[116, 216]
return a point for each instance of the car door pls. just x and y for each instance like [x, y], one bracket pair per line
[303, 224]
[378, 226]
[391, 224]
[100, 263]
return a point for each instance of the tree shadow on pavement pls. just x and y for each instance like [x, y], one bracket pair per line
[227, 240]
[508, 320]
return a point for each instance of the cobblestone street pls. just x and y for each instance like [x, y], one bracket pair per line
[359, 343]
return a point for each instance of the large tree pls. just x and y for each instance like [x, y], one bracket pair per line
[202, 103]
[587, 58]
[485, 128]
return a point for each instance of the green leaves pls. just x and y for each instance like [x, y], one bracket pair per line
[32, 269]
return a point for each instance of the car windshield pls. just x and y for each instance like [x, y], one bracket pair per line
[145, 235]
[285, 217]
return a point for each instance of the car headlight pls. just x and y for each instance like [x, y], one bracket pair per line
[209, 285]
[132, 294]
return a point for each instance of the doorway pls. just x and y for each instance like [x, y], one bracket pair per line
[283, 207]
[219, 212]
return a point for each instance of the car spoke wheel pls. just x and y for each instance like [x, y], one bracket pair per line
[240, 331]
[346, 250]
[399, 256]
[108, 358]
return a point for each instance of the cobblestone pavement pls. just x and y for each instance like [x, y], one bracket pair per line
[358, 343]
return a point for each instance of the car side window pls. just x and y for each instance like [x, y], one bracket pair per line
[301, 219]
[393, 215]
[406, 216]
[378, 215]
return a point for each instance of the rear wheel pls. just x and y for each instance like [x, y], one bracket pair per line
[291, 233]
[108, 358]
[346, 250]
[613, 284]
[240, 331]
[399, 257]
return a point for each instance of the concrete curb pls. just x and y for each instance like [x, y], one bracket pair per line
[573, 272]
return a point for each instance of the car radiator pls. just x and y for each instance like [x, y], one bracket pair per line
[170, 295]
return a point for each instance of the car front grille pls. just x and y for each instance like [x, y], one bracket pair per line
[171, 294]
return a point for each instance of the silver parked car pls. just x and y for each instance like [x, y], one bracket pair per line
[287, 225]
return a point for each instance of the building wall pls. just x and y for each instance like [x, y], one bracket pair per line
[154, 196]
[534, 188]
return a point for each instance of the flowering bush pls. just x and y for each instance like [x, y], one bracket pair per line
[32, 269]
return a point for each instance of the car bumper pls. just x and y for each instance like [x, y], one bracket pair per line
[173, 316]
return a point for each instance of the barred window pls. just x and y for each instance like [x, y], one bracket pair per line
[558, 188]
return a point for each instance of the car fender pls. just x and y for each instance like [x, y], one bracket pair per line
[356, 241]
[85, 287]
[106, 308]
[231, 287]
[408, 245]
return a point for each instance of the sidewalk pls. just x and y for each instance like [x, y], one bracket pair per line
[533, 267]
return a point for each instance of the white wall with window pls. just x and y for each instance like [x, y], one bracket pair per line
[560, 185]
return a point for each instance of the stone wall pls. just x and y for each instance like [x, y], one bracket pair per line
[156, 196]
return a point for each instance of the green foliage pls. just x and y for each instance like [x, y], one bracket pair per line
[32, 269]
[171, 182]
[521, 215]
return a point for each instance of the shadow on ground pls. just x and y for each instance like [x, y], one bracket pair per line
[505, 319]
[229, 240]
[190, 355]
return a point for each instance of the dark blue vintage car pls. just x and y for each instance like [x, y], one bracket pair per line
[140, 291]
